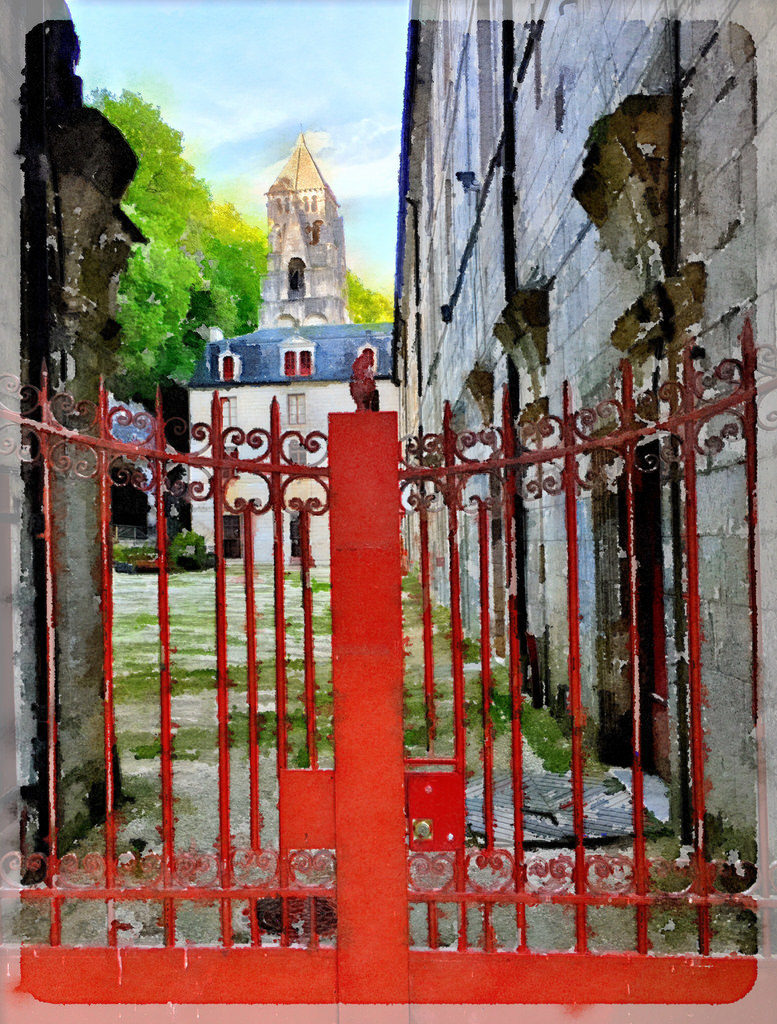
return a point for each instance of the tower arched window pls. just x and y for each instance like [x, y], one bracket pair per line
[296, 278]
[316, 233]
[314, 203]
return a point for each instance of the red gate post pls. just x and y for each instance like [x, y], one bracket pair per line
[367, 676]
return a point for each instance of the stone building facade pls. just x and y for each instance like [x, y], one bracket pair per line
[305, 282]
[302, 354]
[578, 189]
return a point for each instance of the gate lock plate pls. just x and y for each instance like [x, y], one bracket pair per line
[435, 810]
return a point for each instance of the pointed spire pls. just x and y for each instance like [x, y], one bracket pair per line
[300, 172]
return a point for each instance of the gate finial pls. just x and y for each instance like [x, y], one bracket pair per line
[363, 390]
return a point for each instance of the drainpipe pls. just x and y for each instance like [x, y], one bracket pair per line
[508, 157]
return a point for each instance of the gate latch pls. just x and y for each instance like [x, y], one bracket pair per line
[435, 810]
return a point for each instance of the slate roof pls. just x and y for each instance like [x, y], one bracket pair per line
[300, 173]
[548, 807]
[335, 347]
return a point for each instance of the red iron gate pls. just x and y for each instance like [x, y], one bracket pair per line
[409, 867]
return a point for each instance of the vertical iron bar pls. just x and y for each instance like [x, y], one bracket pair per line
[252, 683]
[165, 699]
[426, 605]
[222, 679]
[485, 682]
[52, 762]
[452, 492]
[309, 653]
[255, 817]
[573, 616]
[485, 676]
[429, 694]
[515, 666]
[751, 471]
[282, 741]
[637, 794]
[106, 607]
[698, 797]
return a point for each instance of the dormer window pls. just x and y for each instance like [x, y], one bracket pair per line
[298, 363]
[229, 366]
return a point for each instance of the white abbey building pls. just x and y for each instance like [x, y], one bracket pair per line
[303, 352]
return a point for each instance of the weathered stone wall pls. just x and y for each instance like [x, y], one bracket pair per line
[76, 241]
[15, 724]
[637, 236]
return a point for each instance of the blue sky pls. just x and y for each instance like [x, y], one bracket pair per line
[240, 77]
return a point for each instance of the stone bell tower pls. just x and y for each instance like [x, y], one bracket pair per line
[305, 281]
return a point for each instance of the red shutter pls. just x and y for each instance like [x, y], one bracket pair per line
[290, 364]
[228, 368]
[305, 364]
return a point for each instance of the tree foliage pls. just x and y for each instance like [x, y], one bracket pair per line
[366, 306]
[201, 267]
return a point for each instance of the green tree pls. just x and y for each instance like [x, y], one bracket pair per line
[366, 306]
[201, 267]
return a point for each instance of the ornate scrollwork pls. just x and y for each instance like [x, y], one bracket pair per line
[535, 434]
[231, 439]
[259, 441]
[714, 442]
[547, 478]
[430, 872]
[255, 867]
[134, 870]
[550, 875]
[488, 437]
[202, 433]
[590, 422]
[238, 504]
[312, 868]
[25, 397]
[420, 496]
[81, 416]
[21, 441]
[195, 867]
[609, 874]
[314, 443]
[73, 458]
[423, 450]
[314, 505]
[137, 474]
[490, 871]
[78, 874]
[201, 487]
[138, 428]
